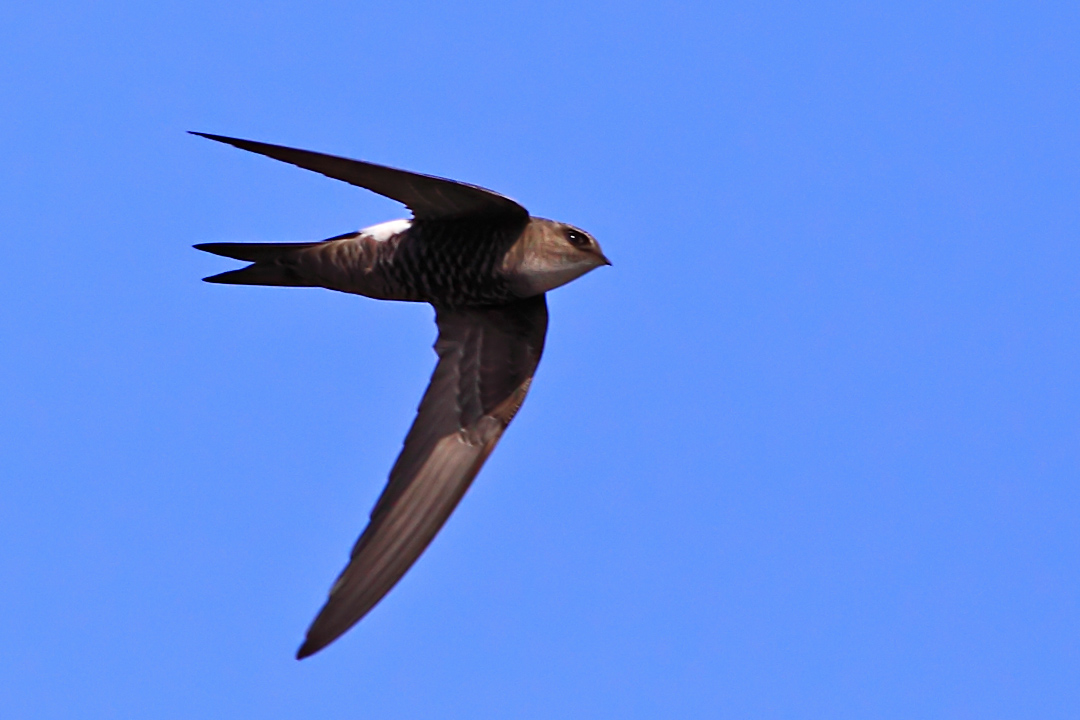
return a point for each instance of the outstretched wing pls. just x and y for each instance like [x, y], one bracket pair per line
[487, 357]
[429, 197]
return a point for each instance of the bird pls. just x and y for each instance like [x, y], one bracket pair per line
[485, 264]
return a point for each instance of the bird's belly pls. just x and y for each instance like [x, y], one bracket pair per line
[444, 275]
[386, 263]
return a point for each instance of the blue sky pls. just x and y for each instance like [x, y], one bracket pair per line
[808, 450]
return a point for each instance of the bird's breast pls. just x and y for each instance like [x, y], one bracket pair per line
[448, 263]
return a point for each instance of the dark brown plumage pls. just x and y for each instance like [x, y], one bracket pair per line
[487, 357]
[485, 265]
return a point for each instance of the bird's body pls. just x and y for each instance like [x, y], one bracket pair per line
[437, 262]
[484, 263]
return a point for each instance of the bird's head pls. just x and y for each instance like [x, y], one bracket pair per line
[550, 254]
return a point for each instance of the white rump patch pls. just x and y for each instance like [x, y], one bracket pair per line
[384, 231]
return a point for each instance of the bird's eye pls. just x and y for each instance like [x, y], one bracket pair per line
[577, 239]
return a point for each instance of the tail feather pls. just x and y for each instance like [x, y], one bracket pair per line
[252, 252]
[261, 274]
[274, 263]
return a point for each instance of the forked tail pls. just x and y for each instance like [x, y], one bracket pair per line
[272, 263]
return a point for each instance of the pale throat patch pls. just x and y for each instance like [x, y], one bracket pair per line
[543, 274]
[384, 231]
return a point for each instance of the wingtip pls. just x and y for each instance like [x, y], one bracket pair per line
[211, 136]
[307, 650]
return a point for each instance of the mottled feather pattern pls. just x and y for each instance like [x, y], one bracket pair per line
[451, 263]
